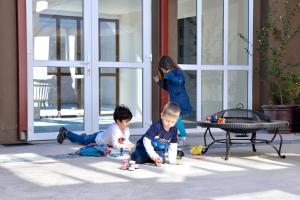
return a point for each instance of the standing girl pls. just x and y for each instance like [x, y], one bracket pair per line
[171, 79]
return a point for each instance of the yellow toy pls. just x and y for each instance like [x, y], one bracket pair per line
[197, 150]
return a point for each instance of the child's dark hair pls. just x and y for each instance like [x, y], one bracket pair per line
[167, 63]
[122, 113]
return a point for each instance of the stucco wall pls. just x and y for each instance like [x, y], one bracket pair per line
[8, 73]
[261, 93]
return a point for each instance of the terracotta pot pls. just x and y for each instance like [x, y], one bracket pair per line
[290, 113]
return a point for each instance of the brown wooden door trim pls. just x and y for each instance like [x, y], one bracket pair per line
[22, 71]
[164, 32]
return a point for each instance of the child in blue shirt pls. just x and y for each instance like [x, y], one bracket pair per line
[172, 80]
[159, 138]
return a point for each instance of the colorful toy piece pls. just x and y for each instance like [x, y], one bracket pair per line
[214, 119]
[124, 165]
[208, 119]
[221, 120]
[121, 151]
[129, 165]
[197, 150]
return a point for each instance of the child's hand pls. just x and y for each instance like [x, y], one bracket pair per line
[157, 161]
[156, 78]
[165, 70]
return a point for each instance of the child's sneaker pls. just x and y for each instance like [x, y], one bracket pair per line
[61, 135]
[182, 142]
[180, 154]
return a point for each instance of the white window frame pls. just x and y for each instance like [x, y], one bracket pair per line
[198, 67]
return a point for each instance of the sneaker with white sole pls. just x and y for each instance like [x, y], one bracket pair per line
[61, 135]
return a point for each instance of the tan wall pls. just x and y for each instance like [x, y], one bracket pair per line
[8, 74]
[260, 86]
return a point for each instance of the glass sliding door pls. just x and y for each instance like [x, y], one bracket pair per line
[85, 57]
[121, 63]
[116, 90]
[56, 82]
[217, 68]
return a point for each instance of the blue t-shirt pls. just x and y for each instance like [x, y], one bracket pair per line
[157, 131]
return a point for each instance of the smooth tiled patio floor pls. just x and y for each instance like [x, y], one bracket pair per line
[45, 171]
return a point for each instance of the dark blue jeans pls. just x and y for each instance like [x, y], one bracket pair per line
[81, 139]
[141, 156]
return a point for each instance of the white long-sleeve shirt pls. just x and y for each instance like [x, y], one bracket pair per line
[113, 136]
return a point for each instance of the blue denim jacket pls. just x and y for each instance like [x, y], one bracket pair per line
[174, 83]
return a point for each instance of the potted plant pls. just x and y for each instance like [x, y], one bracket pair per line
[278, 30]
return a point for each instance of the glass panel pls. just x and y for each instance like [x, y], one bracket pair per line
[237, 88]
[108, 40]
[120, 30]
[57, 30]
[115, 89]
[191, 88]
[187, 32]
[212, 32]
[58, 98]
[237, 23]
[211, 92]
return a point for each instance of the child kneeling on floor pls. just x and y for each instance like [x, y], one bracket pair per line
[159, 138]
[116, 135]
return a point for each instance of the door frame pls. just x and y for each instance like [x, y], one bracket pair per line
[165, 29]
[90, 58]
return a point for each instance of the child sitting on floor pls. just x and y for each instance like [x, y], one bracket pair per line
[159, 138]
[116, 135]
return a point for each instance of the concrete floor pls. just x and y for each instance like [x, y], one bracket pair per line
[45, 171]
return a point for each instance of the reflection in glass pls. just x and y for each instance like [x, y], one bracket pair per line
[109, 40]
[57, 30]
[237, 88]
[120, 30]
[191, 88]
[212, 32]
[58, 98]
[187, 32]
[115, 89]
[211, 92]
[237, 23]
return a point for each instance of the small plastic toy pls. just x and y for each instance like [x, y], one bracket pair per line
[124, 165]
[208, 119]
[214, 119]
[121, 151]
[221, 120]
[197, 150]
[129, 165]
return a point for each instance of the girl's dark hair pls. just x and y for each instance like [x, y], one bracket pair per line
[122, 113]
[167, 63]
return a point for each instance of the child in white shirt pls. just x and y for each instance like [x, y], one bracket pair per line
[116, 135]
